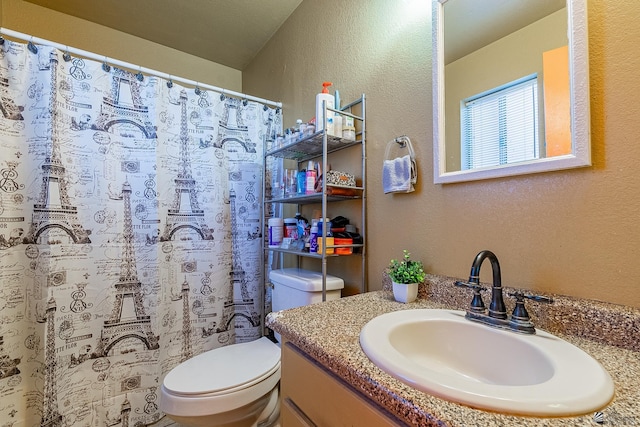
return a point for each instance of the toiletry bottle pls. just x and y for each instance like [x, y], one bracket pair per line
[277, 184]
[301, 185]
[276, 230]
[330, 102]
[338, 121]
[313, 239]
[330, 122]
[311, 179]
[291, 228]
[292, 188]
[303, 129]
[337, 126]
[299, 130]
[322, 245]
[301, 224]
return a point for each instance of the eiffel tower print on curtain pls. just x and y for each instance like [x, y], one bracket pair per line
[240, 304]
[232, 127]
[185, 213]
[187, 349]
[124, 106]
[50, 415]
[8, 107]
[54, 209]
[128, 290]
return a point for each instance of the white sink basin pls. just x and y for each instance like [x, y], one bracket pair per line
[443, 354]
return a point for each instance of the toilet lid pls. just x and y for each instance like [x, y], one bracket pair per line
[224, 368]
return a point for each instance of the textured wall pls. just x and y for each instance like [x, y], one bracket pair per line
[573, 232]
[45, 23]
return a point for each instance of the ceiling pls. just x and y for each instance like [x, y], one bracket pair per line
[472, 24]
[232, 32]
[228, 32]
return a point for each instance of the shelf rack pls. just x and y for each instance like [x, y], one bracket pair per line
[321, 144]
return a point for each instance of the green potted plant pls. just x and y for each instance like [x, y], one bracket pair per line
[405, 275]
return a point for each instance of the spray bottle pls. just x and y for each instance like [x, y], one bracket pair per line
[330, 101]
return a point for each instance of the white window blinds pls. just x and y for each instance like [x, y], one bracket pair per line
[501, 126]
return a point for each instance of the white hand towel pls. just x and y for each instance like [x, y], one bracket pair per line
[396, 175]
[399, 174]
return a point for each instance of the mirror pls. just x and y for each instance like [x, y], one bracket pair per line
[469, 62]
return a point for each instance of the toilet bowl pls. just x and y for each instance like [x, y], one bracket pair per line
[232, 386]
[238, 385]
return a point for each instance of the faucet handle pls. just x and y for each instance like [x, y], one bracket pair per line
[520, 320]
[519, 296]
[477, 305]
[470, 285]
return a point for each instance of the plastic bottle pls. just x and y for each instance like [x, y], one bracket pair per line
[277, 184]
[301, 184]
[349, 133]
[276, 228]
[337, 126]
[313, 239]
[347, 122]
[292, 185]
[330, 102]
[291, 228]
[303, 129]
[337, 118]
[297, 130]
[301, 224]
[329, 235]
[311, 179]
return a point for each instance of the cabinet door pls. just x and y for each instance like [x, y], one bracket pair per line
[292, 416]
[312, 394]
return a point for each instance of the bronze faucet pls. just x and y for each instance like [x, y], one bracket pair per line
[496, 316]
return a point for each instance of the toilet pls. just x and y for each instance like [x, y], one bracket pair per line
[238, 385]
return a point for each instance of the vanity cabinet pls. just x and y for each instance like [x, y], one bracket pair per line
[321, 147]
[313, 396]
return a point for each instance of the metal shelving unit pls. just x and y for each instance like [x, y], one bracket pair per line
[322, 145]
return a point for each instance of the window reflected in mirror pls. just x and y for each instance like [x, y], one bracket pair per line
[500, 126]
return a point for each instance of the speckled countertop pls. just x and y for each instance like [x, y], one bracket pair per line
[329, 333]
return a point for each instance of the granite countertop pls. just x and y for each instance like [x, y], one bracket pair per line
[329, 333]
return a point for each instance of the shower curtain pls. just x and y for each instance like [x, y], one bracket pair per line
[130, 234]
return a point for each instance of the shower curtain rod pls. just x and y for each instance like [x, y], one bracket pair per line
[111, 61]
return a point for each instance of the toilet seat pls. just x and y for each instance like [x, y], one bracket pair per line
[224, 369]
[225, 378]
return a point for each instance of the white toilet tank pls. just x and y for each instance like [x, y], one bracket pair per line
[295, 287]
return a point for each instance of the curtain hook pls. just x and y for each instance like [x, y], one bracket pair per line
[245, 102]
[197, 90]
[170, 82]
[105, 66]
[222, 97]
[66, 55]
[32, 47]
[1, 38]
[140, 76]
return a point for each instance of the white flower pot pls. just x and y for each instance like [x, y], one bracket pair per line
[405, 292]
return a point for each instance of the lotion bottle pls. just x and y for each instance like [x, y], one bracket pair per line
[310, 187]
[330, 102]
